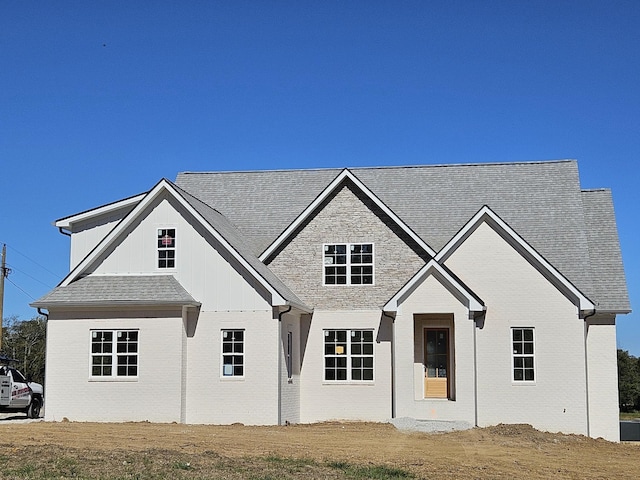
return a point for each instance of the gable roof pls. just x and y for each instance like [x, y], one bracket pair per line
[446, 278]
[488, 216]
[126, 290]
[542, 201]
[216, 225]
[344, 176]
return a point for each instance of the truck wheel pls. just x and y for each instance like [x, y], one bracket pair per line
[34, 408]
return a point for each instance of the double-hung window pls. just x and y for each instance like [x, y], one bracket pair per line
[114, 353]
[232, 353]
[166, 248]
[522, 340]
[348, 264]
[348, 355]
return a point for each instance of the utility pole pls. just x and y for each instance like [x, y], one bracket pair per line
[4, 271]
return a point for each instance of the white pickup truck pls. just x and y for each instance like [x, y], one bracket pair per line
[17, 394]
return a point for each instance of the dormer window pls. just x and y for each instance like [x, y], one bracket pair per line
[348, 264]
[166, 248]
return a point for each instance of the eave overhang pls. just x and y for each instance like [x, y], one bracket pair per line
[67, 222]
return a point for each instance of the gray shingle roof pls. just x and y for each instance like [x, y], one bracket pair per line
[542, 201]
[96, 290]
[607, 277]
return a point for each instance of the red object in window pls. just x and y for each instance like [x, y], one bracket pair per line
[167, 241]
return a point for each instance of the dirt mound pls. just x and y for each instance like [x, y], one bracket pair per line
[327, 450]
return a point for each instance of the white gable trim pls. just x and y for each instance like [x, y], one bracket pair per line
[488, 216]
[66, 222]
[155, 192]
[433, 268]
[345, 174]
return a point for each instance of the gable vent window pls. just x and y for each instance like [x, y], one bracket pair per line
[166, 248]
[348, 264]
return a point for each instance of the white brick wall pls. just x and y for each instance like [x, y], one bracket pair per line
[322, 400]
[441, 309]
[154, 396]
[517, 295]
[252, 400]
[290, 387]
[603, 378]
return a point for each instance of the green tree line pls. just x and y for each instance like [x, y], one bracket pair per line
[25, 341]
[628, 381]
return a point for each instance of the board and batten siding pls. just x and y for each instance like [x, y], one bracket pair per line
[517, 295]
[321, 400]
[86, 235]
[347, 216]
[203, 267]
[154, 395]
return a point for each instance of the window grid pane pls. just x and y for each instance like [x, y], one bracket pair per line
[105, 355]
[523, 354]
[348, 264]
[232, 353]
[166, 248]
[348, 355]
[361, 362]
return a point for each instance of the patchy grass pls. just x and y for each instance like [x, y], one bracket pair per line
[54, 463]
[376, 472]
[333, 450]
[630, 415]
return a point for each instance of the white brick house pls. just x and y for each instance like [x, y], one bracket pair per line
[479, 294]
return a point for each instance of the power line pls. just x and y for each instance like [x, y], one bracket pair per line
[19, 288]
[33, 261]
[14, 269]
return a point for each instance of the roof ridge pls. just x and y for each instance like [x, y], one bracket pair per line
[433, 165]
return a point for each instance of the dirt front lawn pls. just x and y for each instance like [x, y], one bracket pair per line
[327, 450]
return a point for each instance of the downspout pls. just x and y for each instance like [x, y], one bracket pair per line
[63, 232]
[279, 337]
[586, 370]
[45, 315]
[393, 363]
[475, 372]
[183, 364]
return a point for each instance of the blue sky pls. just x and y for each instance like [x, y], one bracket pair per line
[99, 100]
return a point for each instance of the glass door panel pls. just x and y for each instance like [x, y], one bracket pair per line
[436, 362]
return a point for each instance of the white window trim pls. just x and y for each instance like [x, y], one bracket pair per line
[114, 377]
[233, 378]
[349, 356]
[157, 249]
[514, 355]
[348, 265]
